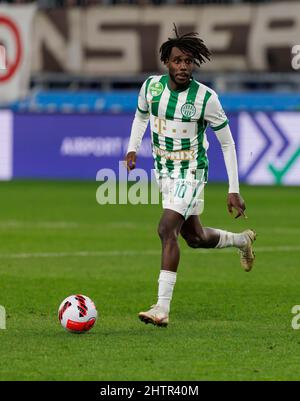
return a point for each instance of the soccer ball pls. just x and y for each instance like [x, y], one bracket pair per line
[77, 313]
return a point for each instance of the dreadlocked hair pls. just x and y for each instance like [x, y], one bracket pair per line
[187, 43]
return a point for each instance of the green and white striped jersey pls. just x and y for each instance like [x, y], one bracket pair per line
[178, 121]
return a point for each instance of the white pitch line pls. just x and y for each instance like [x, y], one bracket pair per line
[15, 224]
[55, 225]
[21, 224]
[75, 254]
[265, 249]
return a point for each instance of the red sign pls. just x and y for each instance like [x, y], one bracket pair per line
[11, 65]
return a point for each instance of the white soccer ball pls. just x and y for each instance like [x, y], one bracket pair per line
[77, 313]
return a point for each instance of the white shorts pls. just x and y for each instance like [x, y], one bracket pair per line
[183, 195]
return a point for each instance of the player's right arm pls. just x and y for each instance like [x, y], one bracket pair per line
[138, 128]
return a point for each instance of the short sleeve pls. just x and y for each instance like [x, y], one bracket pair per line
[142, 99]
[214, 113]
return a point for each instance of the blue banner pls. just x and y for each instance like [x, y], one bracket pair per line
[75, 146]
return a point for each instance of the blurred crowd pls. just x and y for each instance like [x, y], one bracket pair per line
[83, 3]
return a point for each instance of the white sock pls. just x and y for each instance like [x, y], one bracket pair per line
[166, 283]
[228, 239]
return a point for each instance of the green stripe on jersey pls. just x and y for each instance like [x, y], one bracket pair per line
[202, 162]
[169, 143]
[142, 111]
[158, 163]
[155, 139]
[173, 99]
[157, 158]
[184, 164]
[220, 126]
[147, 86]
[185, 143]
[169, 147]
[205, 100]
[156, 99]
[191, 96]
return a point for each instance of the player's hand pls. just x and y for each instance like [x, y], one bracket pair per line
[130, 161]
[235, 201]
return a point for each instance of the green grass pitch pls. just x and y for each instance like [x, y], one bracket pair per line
[225, 324]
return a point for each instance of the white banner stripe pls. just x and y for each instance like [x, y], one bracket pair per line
[6, 145]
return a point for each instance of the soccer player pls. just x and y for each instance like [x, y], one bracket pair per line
[180, 109]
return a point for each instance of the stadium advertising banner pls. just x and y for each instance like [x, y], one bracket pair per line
[77, 146]
[6, 144]
[114, 40]
[16, 42]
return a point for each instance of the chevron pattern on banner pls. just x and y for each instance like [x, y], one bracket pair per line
[269, 148]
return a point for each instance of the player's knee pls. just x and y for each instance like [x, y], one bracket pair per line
[165, 232]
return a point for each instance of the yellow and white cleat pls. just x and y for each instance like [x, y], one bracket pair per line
[156, 315]
[247, 255]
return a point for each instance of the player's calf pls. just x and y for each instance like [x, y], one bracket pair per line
[206, 238]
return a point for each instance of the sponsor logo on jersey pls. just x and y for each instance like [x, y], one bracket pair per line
[188, 110]
[175, 154]
[156, 88]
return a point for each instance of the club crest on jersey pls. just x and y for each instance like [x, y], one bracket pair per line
[156, 88]
[188, 110]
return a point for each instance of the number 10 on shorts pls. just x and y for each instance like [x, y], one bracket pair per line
[2, 58]
[180, 190]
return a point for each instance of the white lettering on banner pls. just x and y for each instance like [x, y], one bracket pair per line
[66, 49]
[271, 31]
[100, 40]
[100, 146]
[88, 146]
[6, 145]
[121, 46]
[2, 58]
[218, 29]
[296, 58]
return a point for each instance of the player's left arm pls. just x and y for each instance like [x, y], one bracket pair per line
[219, 123]
[234, 199]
